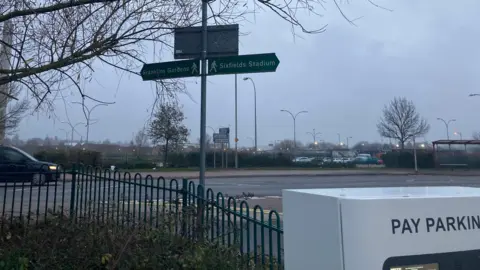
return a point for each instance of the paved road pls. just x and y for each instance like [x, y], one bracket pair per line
[265, 190]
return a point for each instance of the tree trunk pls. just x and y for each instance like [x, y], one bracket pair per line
[165, 155]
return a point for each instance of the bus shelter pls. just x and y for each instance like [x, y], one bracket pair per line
[456, 153]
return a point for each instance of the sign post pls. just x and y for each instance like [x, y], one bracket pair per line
[203, 94]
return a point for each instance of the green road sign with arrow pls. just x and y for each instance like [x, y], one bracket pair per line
[250, 63]
[170, 70]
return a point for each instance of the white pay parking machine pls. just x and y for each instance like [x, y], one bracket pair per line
[406, 228]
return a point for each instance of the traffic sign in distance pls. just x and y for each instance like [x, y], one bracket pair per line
[224, 131]
[220, 138]
[250, 63]
[170, 70]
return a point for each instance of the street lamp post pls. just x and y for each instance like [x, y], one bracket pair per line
[461, 138]
[314, 135]
[214, 149]
[254, 107]
[446, 125]
[348, 141]
[88, 112]
[72, 127]
[67, 133]
[252, 140]
[294, 117]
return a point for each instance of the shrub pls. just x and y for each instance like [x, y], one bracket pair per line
[61, 244]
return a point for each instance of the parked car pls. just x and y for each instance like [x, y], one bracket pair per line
[19, 166]
[337, 160]
[302, 160]
[347, 160]
[367, 159]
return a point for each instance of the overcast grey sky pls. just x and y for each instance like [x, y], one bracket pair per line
[427, 51]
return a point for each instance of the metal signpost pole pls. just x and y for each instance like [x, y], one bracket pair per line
[203, 93]
[223, 155]
[415, 154]
[236, 126]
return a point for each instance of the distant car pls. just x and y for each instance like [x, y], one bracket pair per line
[19, 166]
[302, 160]
[337, 160]
[327, 160]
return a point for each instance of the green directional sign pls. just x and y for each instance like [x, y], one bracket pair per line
[169, 70]
[250, 63]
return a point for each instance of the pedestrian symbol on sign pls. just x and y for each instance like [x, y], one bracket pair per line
[194, 69]
[213, 67]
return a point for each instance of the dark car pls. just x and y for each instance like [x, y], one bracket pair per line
[18, 166]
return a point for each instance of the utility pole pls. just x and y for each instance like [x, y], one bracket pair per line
[294, 117]
[314, 135]
[254, 108]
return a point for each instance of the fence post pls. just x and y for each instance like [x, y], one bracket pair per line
[72, 193]
[184, 192]
[184, 205]
[200, 211]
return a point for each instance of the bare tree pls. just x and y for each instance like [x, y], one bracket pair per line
[401, 121]
[15, 109]
[167, 127]
[287, 145]
[56, 42]
[208, 141]
[476, 135]
[141, 138]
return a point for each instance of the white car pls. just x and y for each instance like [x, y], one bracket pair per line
[302, 159]
[337, 160]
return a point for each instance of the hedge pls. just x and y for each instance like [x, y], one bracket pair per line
[179, 160]
[66, 158]
[406, 160]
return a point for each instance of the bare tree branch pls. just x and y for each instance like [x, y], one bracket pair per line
[56, 43]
